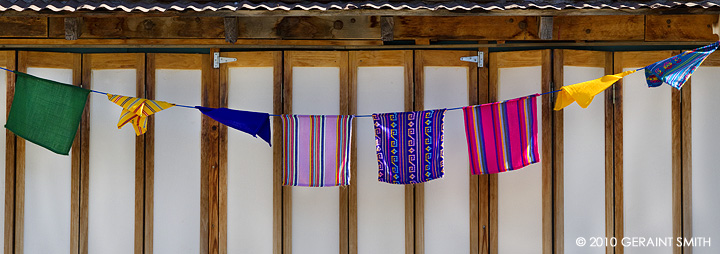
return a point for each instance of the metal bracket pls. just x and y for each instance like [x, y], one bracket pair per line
[217, 60]
[475, 59]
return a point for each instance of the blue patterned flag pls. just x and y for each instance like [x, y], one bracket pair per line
[409, 146]
[677, 69]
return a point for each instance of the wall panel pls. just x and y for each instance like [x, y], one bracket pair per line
[113, 169]
[317, 84]
[380, 85]
[705, 176]
[521, 198]
[47, 210]
[648, 154]
[446, 83]
[250, 85]
[177, 172]
[584, 165]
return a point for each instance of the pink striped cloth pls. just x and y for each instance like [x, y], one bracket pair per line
[316, 150]
[502, 136]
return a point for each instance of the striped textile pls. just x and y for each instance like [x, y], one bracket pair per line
[136, 111]
[677, 69]
[316, 150]
[409, 146]
[502, 136]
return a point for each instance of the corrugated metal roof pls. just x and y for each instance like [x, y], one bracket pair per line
[185, 5]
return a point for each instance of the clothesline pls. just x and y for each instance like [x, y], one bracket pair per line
[186, 106]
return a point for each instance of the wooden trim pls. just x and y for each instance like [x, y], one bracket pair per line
[139, 161]
[278, 190]
[686, 109]
[345, 198]
[223, 90]
[209, 213]
[150, 60]
[493, 74]
[583, 58]
[619, 62]
[609, 155]
[8, 61]
[179, 61]
[286, 190]
[547, 152]
[50, 60]
[353, 63]
[474, 88]
[418, 190]
[22, 61]
[676, 128]
[482, 181]
[560, 57]
[409, 189]
[76, 165]
[85, 156]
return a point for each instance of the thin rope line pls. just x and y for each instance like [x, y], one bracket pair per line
[192, 107]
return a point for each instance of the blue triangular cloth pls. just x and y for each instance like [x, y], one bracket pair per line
[676, 70]
[253, 123]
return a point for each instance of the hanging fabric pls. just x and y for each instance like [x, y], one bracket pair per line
[409, 146]
[254, 123]
[584, 92]
[46, 112]
[136, 111]
[316, 150]
[676, 70]
[502, 136]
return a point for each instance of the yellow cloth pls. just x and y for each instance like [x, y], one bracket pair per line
[136, 111]
[584, 92]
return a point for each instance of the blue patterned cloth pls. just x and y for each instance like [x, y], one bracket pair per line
[677, 69]
[409, 146]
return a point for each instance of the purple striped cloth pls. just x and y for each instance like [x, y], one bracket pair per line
[409, 146]
[316, 150]
[502, 136]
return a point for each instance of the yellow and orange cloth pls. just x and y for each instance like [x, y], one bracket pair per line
[136, 111]
[584, 92]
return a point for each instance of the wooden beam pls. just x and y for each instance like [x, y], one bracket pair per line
[231, 29]
[466, 28]
[72, 28]
[306, 27]
[546, 28]
[23, 26]
[387, 28]
[680, 28]
[607, 28]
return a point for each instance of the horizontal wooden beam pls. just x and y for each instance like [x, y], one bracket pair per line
[304, 44]
[23, 27]
[680, 27]
[466, 28]
[271, 30]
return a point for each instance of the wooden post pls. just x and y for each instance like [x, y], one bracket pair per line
[546, 28]
[387, 26]
[231, 29]
[72, 28]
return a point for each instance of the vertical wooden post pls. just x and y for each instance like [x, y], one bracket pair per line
[73, 28]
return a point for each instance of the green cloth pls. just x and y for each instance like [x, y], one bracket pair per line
[46, 112]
